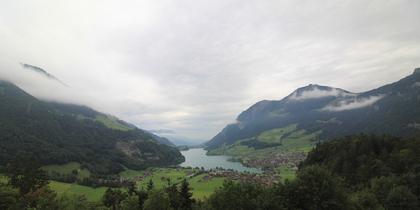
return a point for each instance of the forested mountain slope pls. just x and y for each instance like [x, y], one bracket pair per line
[59, 133]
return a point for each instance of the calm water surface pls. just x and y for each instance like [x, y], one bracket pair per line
[197, 158]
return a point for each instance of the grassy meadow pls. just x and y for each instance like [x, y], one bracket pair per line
[67, 169]
[92, 194]
[201, 186]
[286, 139]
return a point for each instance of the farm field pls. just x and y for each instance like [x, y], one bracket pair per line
[286, 173]
[201, 187]
[282, 139]
[3, 179]
[67, 169]
[92, 194]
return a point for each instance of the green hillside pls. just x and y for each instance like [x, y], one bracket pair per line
[316, 113]
[55, 133]
[286, 140]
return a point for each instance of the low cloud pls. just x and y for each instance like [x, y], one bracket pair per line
[414, 125]
[356, 103]
[317, 93]
[416, 84]
[163, 131]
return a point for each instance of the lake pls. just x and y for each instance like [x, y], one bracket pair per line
[197, 158]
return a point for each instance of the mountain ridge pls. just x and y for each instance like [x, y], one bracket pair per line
[59, 133]
[332, 111]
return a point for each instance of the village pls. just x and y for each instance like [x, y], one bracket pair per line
[276, 160]
[266, 178]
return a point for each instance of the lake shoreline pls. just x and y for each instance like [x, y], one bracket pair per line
[198, 157]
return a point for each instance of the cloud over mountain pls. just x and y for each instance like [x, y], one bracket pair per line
[315, 91]
[354, 103]
[191, 66]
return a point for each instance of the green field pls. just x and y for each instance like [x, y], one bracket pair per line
[159, 176]
[111, 122]
[68, 168]
[3, 179]
[276, 135]
[286, 173]
[92, 194]
[288, 139]
[204, 188]
[291, 139]
[200, 187]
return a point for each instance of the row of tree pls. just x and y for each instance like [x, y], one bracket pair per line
[170, 197]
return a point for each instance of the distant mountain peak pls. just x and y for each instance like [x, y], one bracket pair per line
[315, 91]
[42, 72]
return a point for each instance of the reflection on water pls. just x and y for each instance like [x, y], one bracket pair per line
[197, 158]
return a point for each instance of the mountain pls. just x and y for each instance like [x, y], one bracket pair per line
[56, 133]
[162, 139]
[319, 113]
[184, 141]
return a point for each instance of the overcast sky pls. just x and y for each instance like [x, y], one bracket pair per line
[192, 66]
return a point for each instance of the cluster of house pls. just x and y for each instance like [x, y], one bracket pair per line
[141, 177]
[283, 159]
[267, 179]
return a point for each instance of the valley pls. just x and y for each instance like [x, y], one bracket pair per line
[274, 146]
[204, 176]
[204, 179]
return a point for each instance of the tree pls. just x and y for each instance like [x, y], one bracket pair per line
[132, 188]
[382, 186]
[130, 203]
[42, 199]
[174, 196]
[73, 202]
[365, 200]
[400, 198]
[157, 200]
[233, 195]
[316, 188]
[185, 195]
[113, 197]
[150, 185]
[25, 174]
[142, 197]
[8, 196]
